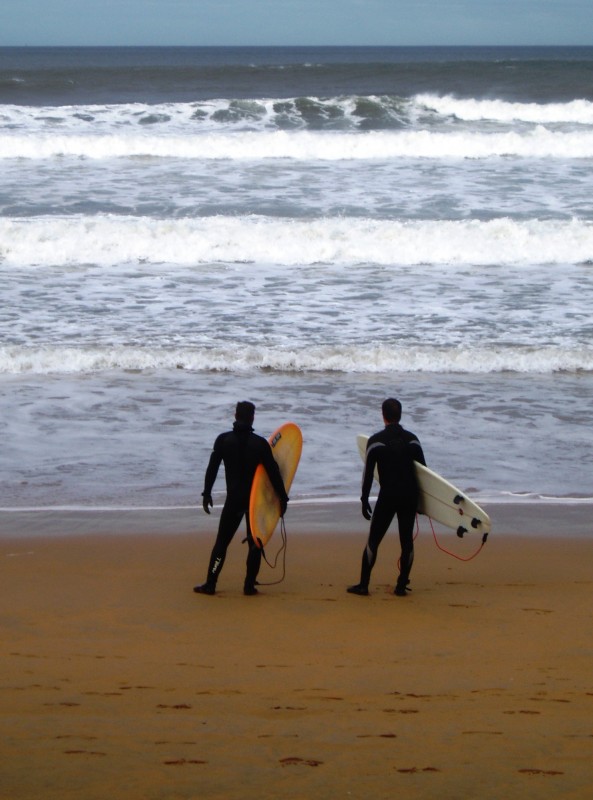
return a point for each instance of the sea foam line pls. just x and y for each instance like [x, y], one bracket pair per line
[112, 241]
[240, 357]
[302, 145]
[579, 112]
[487, 497]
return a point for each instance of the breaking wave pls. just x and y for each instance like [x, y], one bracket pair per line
[114, 240]
[238, 357]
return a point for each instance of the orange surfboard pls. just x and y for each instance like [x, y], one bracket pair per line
[264, 505]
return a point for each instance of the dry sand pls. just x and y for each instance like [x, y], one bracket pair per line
[117, 681]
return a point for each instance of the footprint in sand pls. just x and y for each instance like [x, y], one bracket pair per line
[540, 772]
[401, 711]
[127, 688]
[296, 761]
[168, 743]
[413, 770]
[539, 610]
[522, 711]
[67, 705]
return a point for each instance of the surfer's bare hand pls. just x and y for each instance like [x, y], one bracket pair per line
[207, 502]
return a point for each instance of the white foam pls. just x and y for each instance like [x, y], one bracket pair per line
[268, 128]
[239, 357]
[576, 111]
[112, 241]
[303, 145]
[528, 498]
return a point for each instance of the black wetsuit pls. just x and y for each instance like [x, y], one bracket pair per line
[241, 451]
[393, 451]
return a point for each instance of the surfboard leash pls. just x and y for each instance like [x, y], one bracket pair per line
[454, 555]
[281, 550]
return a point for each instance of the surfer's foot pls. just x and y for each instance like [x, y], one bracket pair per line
[401, 591]
[204, 588]
[249, 590]
[358, 588]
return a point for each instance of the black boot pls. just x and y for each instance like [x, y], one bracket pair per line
[358, 588]
[205, 588]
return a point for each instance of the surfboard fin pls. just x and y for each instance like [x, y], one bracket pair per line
[460, 531]
[476, 522]
[459, 498]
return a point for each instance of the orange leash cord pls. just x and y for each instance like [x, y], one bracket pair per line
[448, 552]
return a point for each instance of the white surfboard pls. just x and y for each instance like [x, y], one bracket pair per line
[441, 501]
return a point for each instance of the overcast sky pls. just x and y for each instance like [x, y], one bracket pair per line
[296, 22]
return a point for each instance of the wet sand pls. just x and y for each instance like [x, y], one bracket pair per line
[118, 680]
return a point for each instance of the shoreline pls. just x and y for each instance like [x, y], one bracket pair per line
[528, 518]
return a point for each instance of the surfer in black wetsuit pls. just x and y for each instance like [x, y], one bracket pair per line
[241, 450]
[393, 451]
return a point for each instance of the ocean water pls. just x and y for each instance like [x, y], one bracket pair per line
[313, 229]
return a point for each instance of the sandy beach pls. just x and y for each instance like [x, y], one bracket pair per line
[118, 681]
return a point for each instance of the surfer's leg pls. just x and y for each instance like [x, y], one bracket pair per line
[254, 556]
[230, 519]
[406, 518]
[383, 514]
